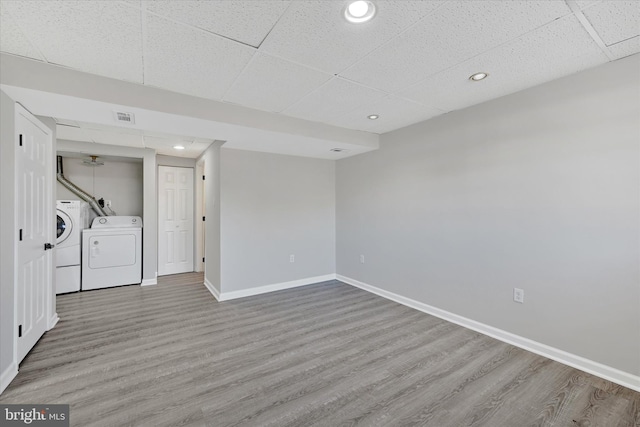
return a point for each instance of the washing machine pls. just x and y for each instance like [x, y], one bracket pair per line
[112, 252]
[73, 217]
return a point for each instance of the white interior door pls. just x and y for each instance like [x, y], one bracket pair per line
[175, 220]
[34, 203]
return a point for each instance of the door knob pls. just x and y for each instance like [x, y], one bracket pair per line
[48, 246]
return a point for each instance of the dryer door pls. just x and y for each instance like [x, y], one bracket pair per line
[112, 250]
[64, 225]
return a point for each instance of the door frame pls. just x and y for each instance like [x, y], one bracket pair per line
[194, 223]
[51, 314]
[199, 213]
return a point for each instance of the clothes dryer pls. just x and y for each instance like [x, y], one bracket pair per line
[112, 252]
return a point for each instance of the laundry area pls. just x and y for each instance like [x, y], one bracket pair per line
[99, 203]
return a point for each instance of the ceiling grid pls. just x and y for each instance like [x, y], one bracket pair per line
[575, 8]
[303, 60]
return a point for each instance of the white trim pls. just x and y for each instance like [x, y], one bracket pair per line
[603, 371]
[199, 213]
[212, 289]
[8, 375]
[225, 296]
[53, 321]
[149, 282]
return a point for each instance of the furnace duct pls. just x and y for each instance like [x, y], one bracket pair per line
[83, 195]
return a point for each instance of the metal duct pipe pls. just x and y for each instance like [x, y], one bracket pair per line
[83, 195]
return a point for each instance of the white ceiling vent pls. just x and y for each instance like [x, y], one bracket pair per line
[123, 117]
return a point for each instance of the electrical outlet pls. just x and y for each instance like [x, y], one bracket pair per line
[292, 258]
[518, 295]
[361, 259]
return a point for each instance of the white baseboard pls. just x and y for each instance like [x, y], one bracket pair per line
[7, 376]
[212, 289]
[149, 282]
[226, 296]
[603, 371]
[53, 321]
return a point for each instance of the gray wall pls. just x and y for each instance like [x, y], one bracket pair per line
[7, 230]
[211, 159]
[273, 206]
[117, 180]
[537, 190]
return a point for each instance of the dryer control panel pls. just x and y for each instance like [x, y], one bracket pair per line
[119, 221]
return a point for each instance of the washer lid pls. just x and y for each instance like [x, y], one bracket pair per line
[64, 225]
[117, 222]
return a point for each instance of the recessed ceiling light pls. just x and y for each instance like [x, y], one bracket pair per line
[478, 76]
[373, 117]
[359, 11]
[338, 150]
[178, 147]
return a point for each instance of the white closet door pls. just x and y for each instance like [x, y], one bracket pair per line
[35, 228]
[175, 220]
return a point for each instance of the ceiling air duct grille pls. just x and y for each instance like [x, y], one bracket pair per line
[124, 117]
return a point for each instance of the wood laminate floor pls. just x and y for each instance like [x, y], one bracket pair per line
[326, 354]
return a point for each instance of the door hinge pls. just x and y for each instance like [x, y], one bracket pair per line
[203, 177]
[19, 331]
[202, 259]
[20, 140]
[203, 218]
[20, 235]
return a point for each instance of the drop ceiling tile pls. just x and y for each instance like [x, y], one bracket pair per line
[164, 145]
[191, 151]
[332, 100]
[272, 84]
[394, 113]
[314, 33]
[151, 136]
[456, 32]
[115, 138]
[245, 21]
[615, 21]
[560, 48]
[191, 61]
[66, 122]
[583, 4]
[99, 37]
[115, 128]
[152, 141]
[12, 40]
[71, 133]
[186, 153]
[625, 48]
